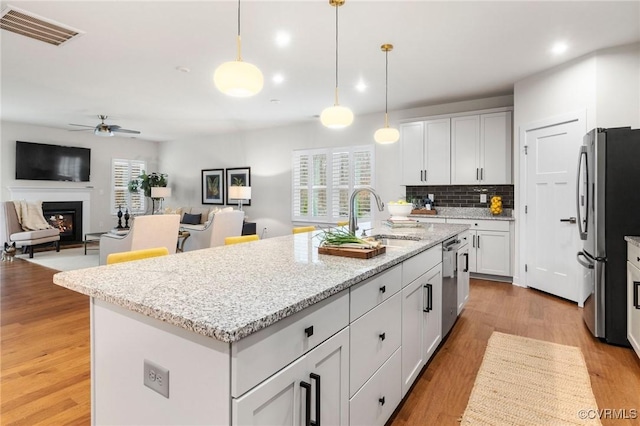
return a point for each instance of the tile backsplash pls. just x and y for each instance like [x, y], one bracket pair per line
[463, 195]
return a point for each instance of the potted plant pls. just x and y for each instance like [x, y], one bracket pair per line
[145, 182]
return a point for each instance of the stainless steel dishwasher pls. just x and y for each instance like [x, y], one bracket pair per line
[449, 283]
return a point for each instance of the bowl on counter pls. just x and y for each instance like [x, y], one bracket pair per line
[399, 211]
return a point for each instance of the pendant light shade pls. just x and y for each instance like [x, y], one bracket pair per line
[337, 116]
[386, 134]
[238, 78]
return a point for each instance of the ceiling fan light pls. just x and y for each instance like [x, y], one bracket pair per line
[103, 132]
[386, 135]
[336, 117]
[239, 79]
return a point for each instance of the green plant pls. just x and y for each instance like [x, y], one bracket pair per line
[146, 181]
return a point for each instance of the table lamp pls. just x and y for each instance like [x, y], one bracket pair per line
[240, 193]
[159, 192]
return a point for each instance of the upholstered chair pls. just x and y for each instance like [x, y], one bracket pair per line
[12, 231]
[226, 224]
[146, 232]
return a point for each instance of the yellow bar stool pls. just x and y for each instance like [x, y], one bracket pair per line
[342, 223]
[301, 229]
[240, 239]
[126, 256]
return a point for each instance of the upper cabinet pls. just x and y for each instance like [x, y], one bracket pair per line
[426, 152]
[481, 149]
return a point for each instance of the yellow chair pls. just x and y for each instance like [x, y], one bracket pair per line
[301, 229]
[240, 239]
[343, 223]
[126, 256]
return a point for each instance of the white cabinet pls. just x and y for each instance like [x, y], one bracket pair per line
[463, 272]
[421, 312]
[481, 149]
[288, 397]
[490, 250]
[426, 156]
[633, 297]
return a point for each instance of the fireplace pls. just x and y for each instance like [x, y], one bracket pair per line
[67, 217]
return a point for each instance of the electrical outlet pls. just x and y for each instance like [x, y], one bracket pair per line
[483, 198]
[156, 378]
[264, 233]
[432, 197]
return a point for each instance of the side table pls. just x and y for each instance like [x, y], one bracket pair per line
[90, 239]
[182, 237]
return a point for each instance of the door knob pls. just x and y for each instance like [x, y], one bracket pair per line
[570, 220]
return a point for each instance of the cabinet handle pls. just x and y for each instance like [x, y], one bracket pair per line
[477, 173]
[308, 331]
[481, 173]
[636, 287]
[316, 377]
[307, 403]
[429, 304]
[466, 265]
[425, 175]
[381, 400]
[421, 175]
[382, 336]
[473, 243]
[478, 241]
[383, 289]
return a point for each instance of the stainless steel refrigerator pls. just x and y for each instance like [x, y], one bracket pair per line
[608, 204]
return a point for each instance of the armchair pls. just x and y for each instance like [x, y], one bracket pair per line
[146, 232]
[12, 232]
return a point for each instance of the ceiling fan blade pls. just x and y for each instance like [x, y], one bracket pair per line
[80, 130]
[125, 131]
[113, 127]
[82, 125]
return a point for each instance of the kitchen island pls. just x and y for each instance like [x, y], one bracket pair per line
[218, 330]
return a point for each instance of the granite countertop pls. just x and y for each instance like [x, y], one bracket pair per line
[635, 241]
[469, 213]
[230, 292]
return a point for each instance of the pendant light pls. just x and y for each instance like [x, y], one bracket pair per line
[386, 134]
[238, 78]
[336, 117]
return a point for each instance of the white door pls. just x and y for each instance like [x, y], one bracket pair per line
[552, 240]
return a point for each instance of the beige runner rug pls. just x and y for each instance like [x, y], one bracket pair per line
[525, 381]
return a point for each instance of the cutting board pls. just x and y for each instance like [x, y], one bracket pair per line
[352, 252]
[424, 211]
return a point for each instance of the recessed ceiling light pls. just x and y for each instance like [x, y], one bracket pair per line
[559, 48]
[278, 78]
[361, 86]
[275, 101]
[183, 69]
[283, 38]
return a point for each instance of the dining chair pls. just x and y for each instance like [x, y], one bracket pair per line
[240, 239]
[301, 229]
[127, 256]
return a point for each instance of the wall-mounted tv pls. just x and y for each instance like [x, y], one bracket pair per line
[38, 161]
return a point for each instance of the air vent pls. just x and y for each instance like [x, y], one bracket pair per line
[36, 27]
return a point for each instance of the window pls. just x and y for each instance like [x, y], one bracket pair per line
[122, 172]
[323, 180]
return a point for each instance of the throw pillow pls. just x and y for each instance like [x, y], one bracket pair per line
[191, 219]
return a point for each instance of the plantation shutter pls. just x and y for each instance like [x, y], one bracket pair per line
[323, 179]
[123, 171]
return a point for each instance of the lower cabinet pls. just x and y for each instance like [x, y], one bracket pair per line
[463, 276]
[490, 250]
[633, 299]
[314, 388]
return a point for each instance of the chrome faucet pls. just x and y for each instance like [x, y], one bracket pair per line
[353, 222]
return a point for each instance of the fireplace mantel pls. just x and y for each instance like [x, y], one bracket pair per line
[52, 193]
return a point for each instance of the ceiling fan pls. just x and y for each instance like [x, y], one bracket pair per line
[104, 129]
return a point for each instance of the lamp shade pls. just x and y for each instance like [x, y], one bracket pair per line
[386, 135]
[160, 192]
[240, 192]
[238, 78]
[336, 117]
[105, 132]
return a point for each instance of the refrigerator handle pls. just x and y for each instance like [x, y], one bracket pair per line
[582, 230]
[586, 265]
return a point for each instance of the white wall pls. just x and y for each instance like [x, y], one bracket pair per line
[102, 151]
[268, 153]
[604, 84]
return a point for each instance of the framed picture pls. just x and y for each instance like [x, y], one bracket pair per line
[240, 176]
[213, 186]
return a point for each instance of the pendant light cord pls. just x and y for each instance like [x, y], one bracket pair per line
[239, 40]
[386, 87]
[337, 6]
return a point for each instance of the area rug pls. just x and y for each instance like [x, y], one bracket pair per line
[65, 260]
[525, 381]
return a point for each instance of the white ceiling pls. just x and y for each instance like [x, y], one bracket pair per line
[124, 66]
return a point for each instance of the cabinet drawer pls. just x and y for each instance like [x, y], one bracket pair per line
[428, 219]
[261, 354]
[370, 293]
[486, 225]
[374, 337]
[465, 238]
[417, 265]
[378, 398]
[633, 255]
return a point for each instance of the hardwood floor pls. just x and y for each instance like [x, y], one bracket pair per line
[45, 364]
